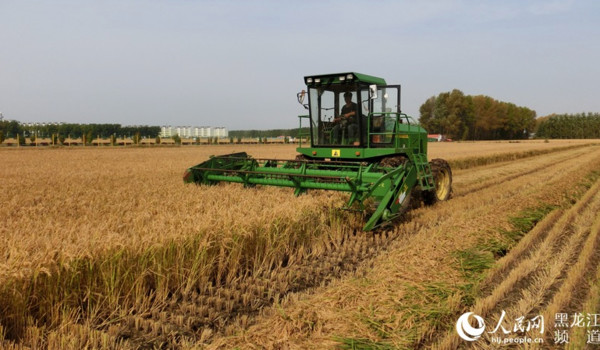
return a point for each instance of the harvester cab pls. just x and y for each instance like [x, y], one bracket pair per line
[358, 114]
[358, 141]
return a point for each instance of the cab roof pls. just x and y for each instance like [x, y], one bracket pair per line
[341, 78]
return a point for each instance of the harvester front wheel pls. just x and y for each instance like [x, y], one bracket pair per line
[442, 177]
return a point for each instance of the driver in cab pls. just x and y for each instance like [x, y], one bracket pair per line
[346, 119]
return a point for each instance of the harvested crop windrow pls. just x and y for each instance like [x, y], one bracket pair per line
[557, 262]
[568, 298]
[416, 287]
[470, 162]
[113, 251]
[469, 181]
[539, 276]
[591, 301]
[491, 151]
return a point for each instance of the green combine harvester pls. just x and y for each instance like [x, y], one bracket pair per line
[360, 142]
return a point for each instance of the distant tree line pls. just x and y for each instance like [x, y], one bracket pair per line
[10, 129]
[569, 126]
[465, 117]
[268, 133]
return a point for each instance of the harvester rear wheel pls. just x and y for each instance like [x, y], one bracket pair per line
[442, 177]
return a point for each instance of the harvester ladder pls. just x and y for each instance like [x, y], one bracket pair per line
[425, 177]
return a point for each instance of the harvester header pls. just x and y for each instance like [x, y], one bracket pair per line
[360, 142]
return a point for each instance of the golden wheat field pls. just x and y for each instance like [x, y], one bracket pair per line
[106, 248]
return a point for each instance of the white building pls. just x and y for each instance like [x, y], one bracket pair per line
[194, 131]
[221, 132]
[167, 131]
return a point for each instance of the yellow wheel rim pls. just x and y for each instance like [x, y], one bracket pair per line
[442, 184]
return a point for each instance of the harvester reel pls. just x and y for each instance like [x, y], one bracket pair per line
[442, 177]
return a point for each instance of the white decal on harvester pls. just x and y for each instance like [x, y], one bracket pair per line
[401, 197]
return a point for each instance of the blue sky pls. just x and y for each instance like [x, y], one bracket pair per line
[239, 64]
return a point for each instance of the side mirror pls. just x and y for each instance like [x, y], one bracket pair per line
[300, 97]
[372, 92]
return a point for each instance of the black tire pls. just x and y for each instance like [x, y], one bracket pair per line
[442, 177]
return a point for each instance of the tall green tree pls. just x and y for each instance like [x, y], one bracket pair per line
[460, 116]
[569, 126]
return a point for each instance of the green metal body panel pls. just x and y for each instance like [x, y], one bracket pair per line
[408, 140]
